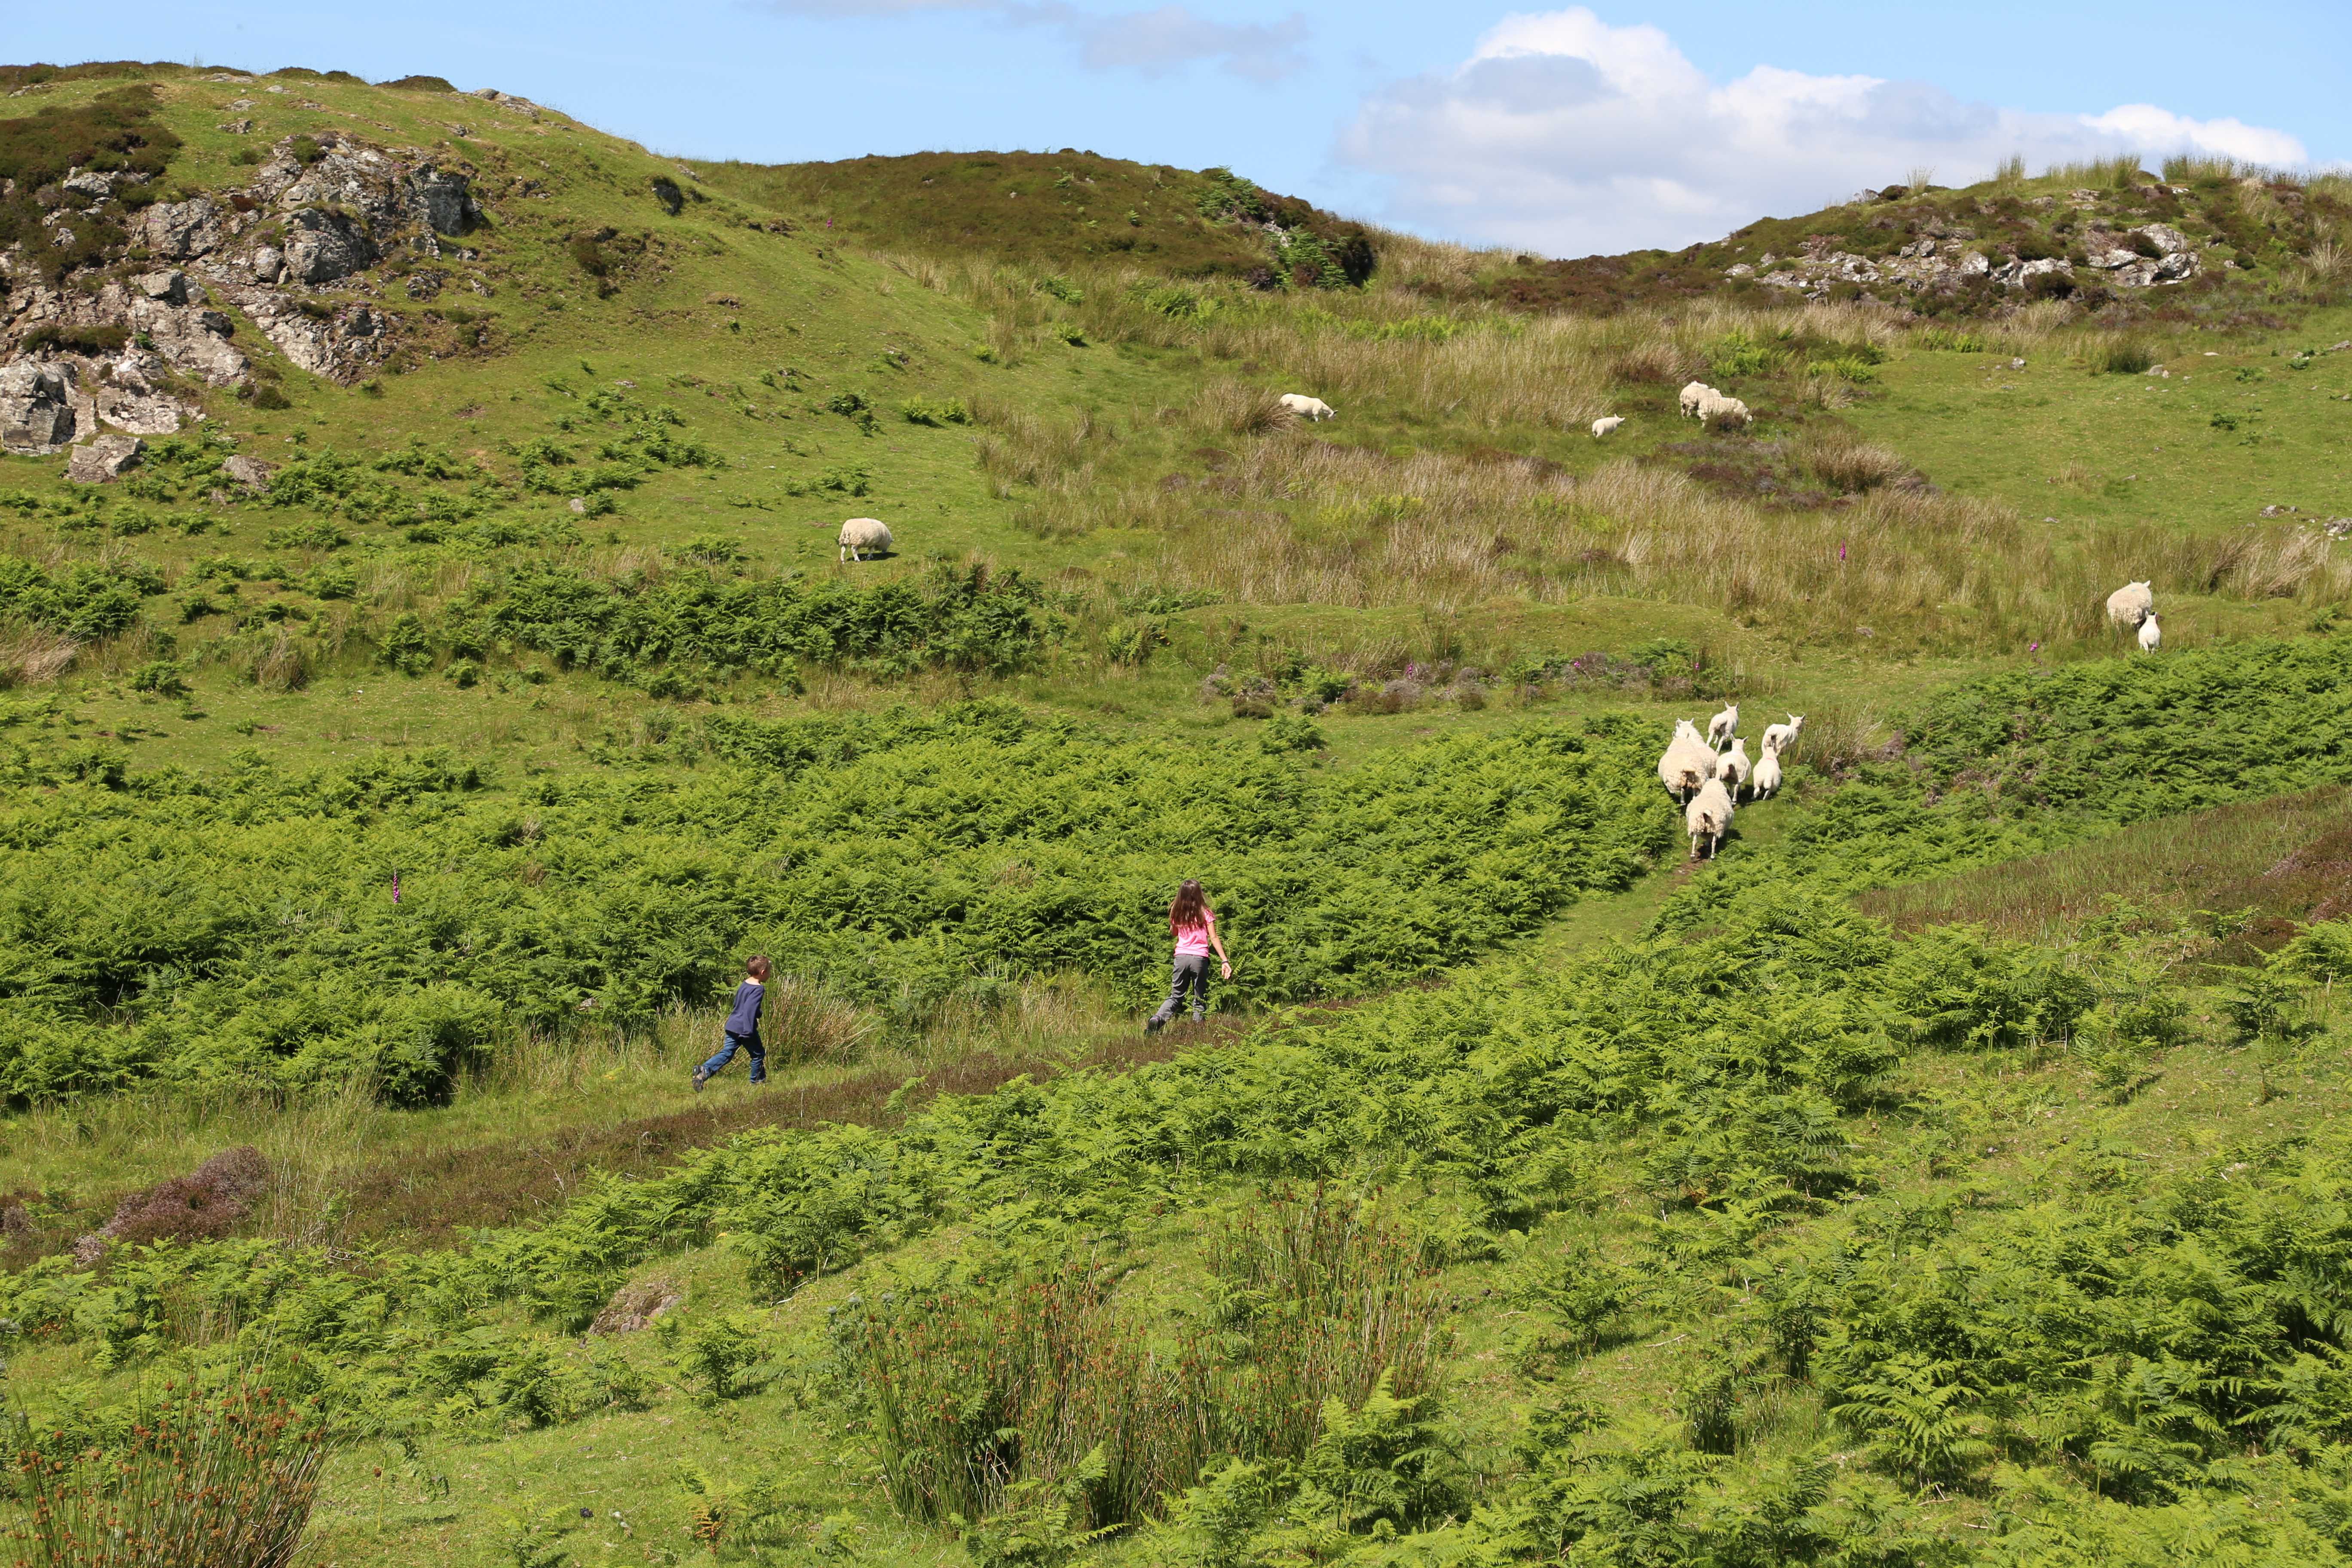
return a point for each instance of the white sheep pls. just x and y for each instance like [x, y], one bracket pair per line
[861, 534]
[1734, 766]
[1696, 393]
[1708, 817]
[1719, 411]
[1607, 427]
[1779, 738]
[2150, 635]
[1314, 409]
[1689, 762]
[1766, 779]
[1723, 726]
[2130, 604]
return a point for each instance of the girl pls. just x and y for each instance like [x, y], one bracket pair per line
[1193, 924]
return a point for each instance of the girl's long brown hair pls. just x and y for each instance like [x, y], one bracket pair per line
[1191, 908]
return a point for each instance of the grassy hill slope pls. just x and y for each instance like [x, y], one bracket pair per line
[405, 810]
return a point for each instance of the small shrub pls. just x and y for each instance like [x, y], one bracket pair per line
[1070, 333]
[2050, 285]
[78, 340]
[305, 150]
[947, 411]
[1062, 288]
[270, 394]
[1290, 732]
[464, 672]
[1850, 464]
[590, 256]
[164, 677]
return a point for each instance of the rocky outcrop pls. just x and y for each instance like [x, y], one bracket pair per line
[135, 395]
[37, 408]
[322, 245]
[181, 231]
[285, 250]
[247, 473]
[104, 459]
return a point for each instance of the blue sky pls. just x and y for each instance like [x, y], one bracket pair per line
[1569, 130]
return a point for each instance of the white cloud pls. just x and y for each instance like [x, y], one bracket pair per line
[1151, 42]
[1564, 134]
[1157, 42]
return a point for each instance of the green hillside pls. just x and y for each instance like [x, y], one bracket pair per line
[405, 743]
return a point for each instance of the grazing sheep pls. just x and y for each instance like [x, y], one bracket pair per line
[1733, 766]
[1722, 727]
[2151, 633]
[1766, 779]
[1607, 427]
[861, 534]
[1696, 393]
[2130, 604]
[1314, 409]
[1689, 762]
[1779, 738]
[1719, 411]
[1708, 817]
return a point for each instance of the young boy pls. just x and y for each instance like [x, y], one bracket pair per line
[742, 1028]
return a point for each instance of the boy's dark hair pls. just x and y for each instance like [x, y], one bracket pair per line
[756, 967]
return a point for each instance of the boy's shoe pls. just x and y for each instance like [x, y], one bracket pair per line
[700, 1078]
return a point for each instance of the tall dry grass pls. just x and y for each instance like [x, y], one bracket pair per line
[1290, 521]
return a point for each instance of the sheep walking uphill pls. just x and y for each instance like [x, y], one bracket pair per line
[2150, 635]
[1722, 727]
[1696, 393]
[1607, 427]
[1766, 780]
[1708, 817]
[1312, 408]
[2130, 604]
[1689, 762]
[1779, 738]
[1733, 767]
[861, 535]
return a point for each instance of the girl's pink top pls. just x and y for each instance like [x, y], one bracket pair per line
[1192, 942]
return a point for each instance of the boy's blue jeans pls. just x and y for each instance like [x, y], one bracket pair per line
[727, 1054]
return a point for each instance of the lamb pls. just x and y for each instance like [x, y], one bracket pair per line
[1314, 409]
[1779, 738]
[1722, 727]
[1734, 766]
[2151, 633]
[1607, 427]
[1689, 762]
[1766, 779]
[861, 534]
[2130, 604]
[1696, 393]
[1708, 817]
[1721, 412]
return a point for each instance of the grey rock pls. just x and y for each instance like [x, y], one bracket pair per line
[84, 183]
[267, 264]
[134, 398]
[2170, 240]
[1974, 264]
[444, 199]
[2177, 267]
[251, 473]
[180, 230]
[322, 245]
[169, 286]
[2108, 260]
[104, 459]
[37, 408]
[236, 127]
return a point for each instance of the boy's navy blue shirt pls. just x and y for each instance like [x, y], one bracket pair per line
[745, 1019]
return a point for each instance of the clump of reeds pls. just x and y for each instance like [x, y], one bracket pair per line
[1845, 462]
[977, 1385]
[208, 1480]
